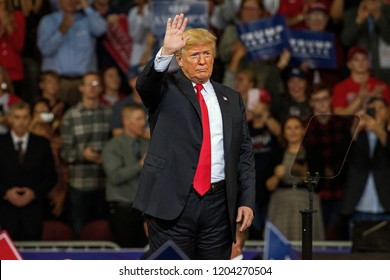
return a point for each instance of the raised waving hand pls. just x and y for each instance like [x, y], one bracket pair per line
[174, 40]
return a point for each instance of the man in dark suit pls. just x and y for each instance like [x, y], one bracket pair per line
[200, 217]
[27, 172]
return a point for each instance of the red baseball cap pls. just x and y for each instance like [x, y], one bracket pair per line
[354, 50]
[265, 97]
[318, 6]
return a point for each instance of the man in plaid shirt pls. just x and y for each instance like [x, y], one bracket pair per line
[85, 130]
[331, 135]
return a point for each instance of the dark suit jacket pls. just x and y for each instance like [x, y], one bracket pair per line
[176, 138]
[360, 165]
[36, 172]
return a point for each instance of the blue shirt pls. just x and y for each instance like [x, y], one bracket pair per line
[72, 53]
[369, 201]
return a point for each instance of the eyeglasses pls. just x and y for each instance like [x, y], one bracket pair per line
[93, 84]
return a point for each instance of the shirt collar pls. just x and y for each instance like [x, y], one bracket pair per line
[16, 138]
[207, 87]
[81, 107]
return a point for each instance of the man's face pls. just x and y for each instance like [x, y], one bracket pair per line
[91, 88]
[297, 88]
[320, 102]
[50, 85]
[317, 20]
[19, 120]
[359, 64]
[243, 83]
[197, 63]
[134, 122]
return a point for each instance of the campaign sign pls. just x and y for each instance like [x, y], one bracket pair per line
[276, 245]
[265, 38]
[313, 47]
[195, 11]
[8, 250]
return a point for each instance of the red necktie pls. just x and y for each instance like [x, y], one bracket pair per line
[202, 179]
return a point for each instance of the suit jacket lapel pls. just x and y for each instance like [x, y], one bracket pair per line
[11, 147]
[185, 86]
[227, 120]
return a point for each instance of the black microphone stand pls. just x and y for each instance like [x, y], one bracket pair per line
[307, 218]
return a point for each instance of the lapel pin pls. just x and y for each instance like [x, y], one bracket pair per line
[225, 98]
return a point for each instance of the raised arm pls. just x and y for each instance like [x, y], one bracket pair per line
[150, 82]
[173, 39]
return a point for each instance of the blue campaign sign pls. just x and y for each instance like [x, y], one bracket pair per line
[315, 48]
[264, 38]
[195, 11]
[276, 245]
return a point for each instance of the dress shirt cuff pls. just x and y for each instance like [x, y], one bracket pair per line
[161, 62]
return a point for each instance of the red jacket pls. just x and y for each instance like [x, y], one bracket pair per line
[11, 46]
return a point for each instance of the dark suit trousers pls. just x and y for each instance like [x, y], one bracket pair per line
[202, 231]
[22, 223]
[127, 225]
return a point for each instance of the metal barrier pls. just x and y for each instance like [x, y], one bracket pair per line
[297, 244]
[66, 245]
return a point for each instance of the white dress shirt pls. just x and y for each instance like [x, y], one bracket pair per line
[161, 63]
[16, 139]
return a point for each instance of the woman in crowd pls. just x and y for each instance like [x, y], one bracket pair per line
[42, 125]
[111, 82]
[7, 99]
[12, 35]
[287, 186]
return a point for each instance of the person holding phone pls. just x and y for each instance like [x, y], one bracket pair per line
[264, 130]
[367, 195]
[85, 129]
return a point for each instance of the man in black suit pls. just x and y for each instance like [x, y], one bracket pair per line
[27, 172]
[200, 217]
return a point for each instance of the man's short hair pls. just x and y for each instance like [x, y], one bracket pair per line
[49, 73]
[131, 108]
[317, 88]
[90, 73]
[199, 36]
[21, 105]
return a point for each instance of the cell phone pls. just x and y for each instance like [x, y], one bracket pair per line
[253, 98]
[370, 111]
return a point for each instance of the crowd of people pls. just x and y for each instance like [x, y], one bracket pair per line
[74, 131]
